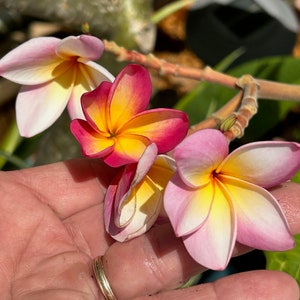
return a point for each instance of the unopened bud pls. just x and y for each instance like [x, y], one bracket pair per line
[228, 123]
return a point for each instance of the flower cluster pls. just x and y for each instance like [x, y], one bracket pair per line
[212, 198]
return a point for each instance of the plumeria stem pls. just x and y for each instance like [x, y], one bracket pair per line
[10, 142]
[268, 89]
[233, 117]
[247, 109]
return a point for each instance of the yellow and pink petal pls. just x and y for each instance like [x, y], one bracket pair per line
[260, 219]
[85, 46]
[93, 143]
[164, 127]
[198, 155]
[128, 148]
[133, 200]
[37, 109]
[263, 163]
[212, 244]
[32, 62]
[186, 207]
[129, 95]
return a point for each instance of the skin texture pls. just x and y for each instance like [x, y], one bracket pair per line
[52, 227]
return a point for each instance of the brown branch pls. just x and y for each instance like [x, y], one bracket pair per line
[247, 109]
[268, 89]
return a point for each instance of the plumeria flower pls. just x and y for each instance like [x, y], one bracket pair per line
[215, 199]
[54, 73]
[134, 199]
[118, 126]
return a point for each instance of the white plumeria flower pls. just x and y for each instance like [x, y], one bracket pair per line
[215, 199]
[54, 74]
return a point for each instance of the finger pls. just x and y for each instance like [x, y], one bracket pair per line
[67, 187]
[251, 285]
[288, 195]
[148, 264]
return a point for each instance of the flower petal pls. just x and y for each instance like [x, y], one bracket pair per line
[86, 46]
[130, 94]
[187, 208]
[93, 144]
[162, 170]
[33, 62]
[147, 200]
[132, 175]
[212, 244]
[127, 149]
[165, 127]
[94, 105]
[137, 202]
[199, 154]
[38, 107]
[261, 222]
[88, 78]
[145, 163]
[263, 163]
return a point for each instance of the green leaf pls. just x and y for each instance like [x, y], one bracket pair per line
[296, 177]
[287, 261]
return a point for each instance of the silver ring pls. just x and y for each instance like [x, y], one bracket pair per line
[101, 279]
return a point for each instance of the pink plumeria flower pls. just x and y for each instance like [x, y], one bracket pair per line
[134, 199]
[215, 199]
[54, 73]
[118, 126]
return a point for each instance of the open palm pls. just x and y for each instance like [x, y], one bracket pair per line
[51, 227]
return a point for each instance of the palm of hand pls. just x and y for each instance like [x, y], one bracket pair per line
[49, 242]
[51, 228]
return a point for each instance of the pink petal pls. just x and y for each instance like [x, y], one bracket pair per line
[33, 62]
[145, 163]
[109, 201]
[263, 163]
[38, 107]
[86, 46]
[261, 222]
[94, 73]
[90, 75]
[137, 200]
[130, 94]
[94, 105]
[187, 208]
[212, 244]
[93, 144]
[199, 154]
[132, 175]
[162, 170]
[146, 202]
[164, 127]
[127, 149]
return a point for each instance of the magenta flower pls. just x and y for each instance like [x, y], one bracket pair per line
[118, 126]
[215, 199]
[54, 73]
[134, 199]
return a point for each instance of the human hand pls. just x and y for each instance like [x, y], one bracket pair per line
[51, 228]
